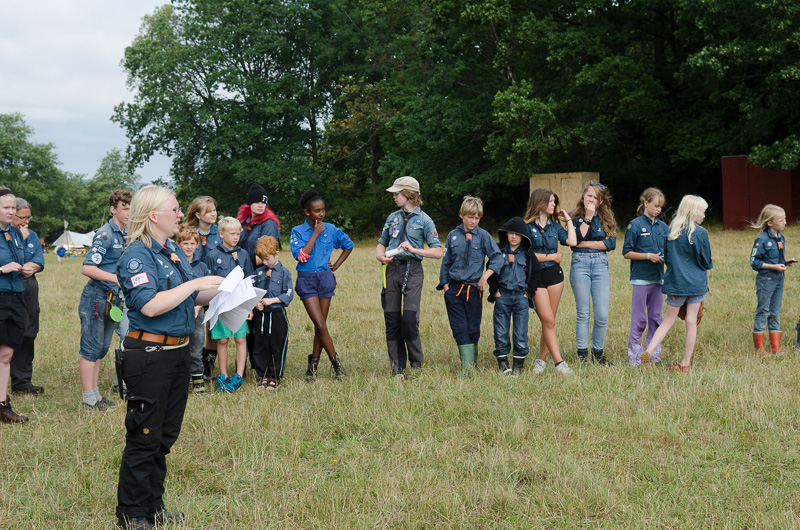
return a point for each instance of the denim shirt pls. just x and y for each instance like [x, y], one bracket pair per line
[144, 272]
[33, 250]
[594, 233]
[107, 247]
[687, 264]
[513, 274]
[208, 242]
[768, 249]
[11, 282]
[328, 240]
[463, 260]
[278, 285]
[545, 240]
[420, 230]
[646, 236]
[222, 260]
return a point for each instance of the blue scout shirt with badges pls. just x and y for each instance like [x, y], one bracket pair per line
[199, 267]
[250, 236]
[278, 284]
[328, 240]
[419, 230]
[463, 256]
[594, 233]
[143, 273]
[768, 249]
[107, 247]
[222, 260]
[11, 249]
[33, 250]
[545, 240]
[687, 264]
[644, 235]
[513, 274]
[208, 242]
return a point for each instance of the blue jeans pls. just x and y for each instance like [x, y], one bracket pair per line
[511, 305]
[96, 328]
[591, 284]
[769, 292]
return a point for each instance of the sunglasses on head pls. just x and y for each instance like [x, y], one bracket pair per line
[594, 183]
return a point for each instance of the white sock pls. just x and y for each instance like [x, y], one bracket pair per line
[89, 397]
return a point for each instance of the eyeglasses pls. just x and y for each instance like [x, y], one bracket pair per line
[593, 183]
[27, 218]
[176, 211]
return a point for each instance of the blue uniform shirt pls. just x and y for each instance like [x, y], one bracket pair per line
[33, 250]
[644, 235]
[277, 284]
[107, 247]
[768, 249]
[250, 236]
[687, 264]
[208, 242]
[545, 240]
[222, 260]
[11, 237]
[594, 233]
[144, 272]
[463, 259]
[513, 275]
[199, 266]
[328, 240]
[419, 230]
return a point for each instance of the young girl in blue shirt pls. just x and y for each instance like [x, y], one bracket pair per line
[312, 244]
[687, 255]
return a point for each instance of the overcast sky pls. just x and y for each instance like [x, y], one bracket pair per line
[60, 68]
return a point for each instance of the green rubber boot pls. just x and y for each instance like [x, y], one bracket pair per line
[469, 355]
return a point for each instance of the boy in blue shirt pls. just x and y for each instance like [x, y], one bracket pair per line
[221, 261]
[463, 279]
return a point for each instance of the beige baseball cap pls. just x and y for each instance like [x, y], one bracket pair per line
[404, 183]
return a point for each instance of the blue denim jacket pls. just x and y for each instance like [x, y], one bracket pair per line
[594, 233]
[420, 230]
[768, 249]
[545, 240]
[107, 247]
[644, 235]
[463, 260]
[687, 264]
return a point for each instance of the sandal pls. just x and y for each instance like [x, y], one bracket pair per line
[273, 384]
[264, 384]
[678, 368]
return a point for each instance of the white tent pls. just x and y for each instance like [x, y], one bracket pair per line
[71, 240]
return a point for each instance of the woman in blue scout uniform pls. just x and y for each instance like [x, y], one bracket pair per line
[13, 313]
[406, 231]
[545, 231]
[596, 231]
[160, 291]
[687, 255]
[22, 362]
[202, 215]
[257, 221]
[644, 246]
[312, 244]
[99, 296]
[768, 259]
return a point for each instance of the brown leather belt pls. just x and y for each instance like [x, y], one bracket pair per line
[160, 339]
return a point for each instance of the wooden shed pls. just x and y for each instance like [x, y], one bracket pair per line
[746, 188]
[568, 186]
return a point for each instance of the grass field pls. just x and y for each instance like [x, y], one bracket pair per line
[608, 448]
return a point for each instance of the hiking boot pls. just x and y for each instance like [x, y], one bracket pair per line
[519, 363]
[600, 358]
[583, 355]
[338, 369]
[98, 406]
[9, 416]
[311, 371]
[164, 517]
[107, 402]
[539, 366]
[30, 388]
[134, 523]
[502, 362]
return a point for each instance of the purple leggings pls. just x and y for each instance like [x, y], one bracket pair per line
[647, 303]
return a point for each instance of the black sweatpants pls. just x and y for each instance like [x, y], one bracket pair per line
[270, 330]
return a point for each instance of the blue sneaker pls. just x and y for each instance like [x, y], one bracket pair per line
[222, 383]
[234, 383]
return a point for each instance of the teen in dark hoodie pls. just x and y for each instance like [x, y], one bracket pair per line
[512, 290]
[257, 220]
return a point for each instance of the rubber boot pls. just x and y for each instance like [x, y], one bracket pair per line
[519, 363]
[338, 369]
[311, 372]
[600, 358]
[583, 355]
[502, 363]
[775, 342]
[758, 343]
[9, 416]
[198, 384]
[469, 355]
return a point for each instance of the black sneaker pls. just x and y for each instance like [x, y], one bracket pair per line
[163, 517]
[134, 523]
[98, 406]
[107, 402]
[28, 389]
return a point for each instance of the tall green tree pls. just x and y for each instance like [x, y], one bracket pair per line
[115, 172]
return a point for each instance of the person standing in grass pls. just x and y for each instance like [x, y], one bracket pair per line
[545, 232]
[644, 246]
[462, 277]
[596, 230]
[99, 296]
[406, 231]
[22, 362]
[161, 292]
[257, 220]
[13, 312]
[312, 244]
[189, 241]
[221, 261]
[768, 259]
[687, 255]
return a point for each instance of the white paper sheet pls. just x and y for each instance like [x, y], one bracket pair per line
[237, 297]
[393, 252]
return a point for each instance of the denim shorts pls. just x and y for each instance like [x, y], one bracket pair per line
[677, 301]
[97, 329]
[321, 284]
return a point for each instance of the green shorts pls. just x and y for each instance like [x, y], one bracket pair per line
[219, 331]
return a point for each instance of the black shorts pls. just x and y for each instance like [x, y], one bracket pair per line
[13, 319]
[551, 276]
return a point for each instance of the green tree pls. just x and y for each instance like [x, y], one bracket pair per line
[115, 172]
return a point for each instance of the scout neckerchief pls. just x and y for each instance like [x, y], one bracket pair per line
[406, 219]
[176, 261]
[11, 245]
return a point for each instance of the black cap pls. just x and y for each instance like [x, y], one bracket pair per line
[257, 194]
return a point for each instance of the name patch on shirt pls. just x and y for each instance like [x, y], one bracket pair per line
[139, 279]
